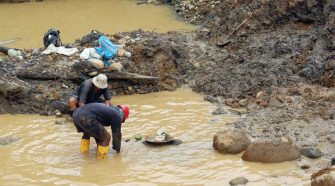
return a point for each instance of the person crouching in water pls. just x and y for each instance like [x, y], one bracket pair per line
[91, 119]
[90, 91]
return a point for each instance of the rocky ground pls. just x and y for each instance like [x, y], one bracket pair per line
[278, 57]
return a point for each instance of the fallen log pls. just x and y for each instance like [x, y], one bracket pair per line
[42, 73]
[9, 41]
[4, 49]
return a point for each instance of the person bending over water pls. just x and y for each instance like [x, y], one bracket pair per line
[91, 119]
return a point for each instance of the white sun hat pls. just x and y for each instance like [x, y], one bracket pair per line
[100, 81]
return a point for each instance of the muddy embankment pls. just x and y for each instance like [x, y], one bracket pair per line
[282, 51]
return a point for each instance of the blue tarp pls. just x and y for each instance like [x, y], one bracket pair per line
[106, 49]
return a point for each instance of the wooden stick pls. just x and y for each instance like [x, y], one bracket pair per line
[9, 41]
[241, 24]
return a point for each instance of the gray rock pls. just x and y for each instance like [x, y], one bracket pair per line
[219, 111]
[230, 141]
[58, 113]
[229, 101]
[7, 140]
[243, 102]
[274, 102]
[239, 181]
[311, 152]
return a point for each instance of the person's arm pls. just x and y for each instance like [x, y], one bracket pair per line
[83, 94]
[108, 102]
[117, 136]
[108, 96]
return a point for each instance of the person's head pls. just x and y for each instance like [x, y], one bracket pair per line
[125, 110]
[100, 81]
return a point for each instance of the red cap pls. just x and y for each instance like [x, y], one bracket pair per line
[125, 110]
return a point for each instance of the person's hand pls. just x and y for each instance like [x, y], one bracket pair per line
[117, 150]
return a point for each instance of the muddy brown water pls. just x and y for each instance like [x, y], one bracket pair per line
[75, 18]
[48, 154]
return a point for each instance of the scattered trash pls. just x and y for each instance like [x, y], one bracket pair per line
[89, 53]
[60, 50]
[161, 138]
[108, 50]
[15, 53]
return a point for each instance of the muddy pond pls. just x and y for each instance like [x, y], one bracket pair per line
[47, 152]
[75, 18]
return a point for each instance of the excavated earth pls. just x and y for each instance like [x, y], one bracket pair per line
[276, 56]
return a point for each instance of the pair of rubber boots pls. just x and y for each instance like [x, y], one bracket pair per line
[102, 152]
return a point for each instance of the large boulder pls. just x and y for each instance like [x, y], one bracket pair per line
[230, 141]
[274, 151]
[324, 177]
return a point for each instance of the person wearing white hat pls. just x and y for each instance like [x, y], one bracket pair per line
[90, 91]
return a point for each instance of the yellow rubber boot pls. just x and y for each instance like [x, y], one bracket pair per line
[102, 152]
[84, 145]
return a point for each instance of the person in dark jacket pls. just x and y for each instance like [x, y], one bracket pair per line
[90, 91]
[91, 119]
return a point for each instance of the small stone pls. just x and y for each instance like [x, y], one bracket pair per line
[138, 137]
[58, 113]
[274, 102]
[235, 105]
[229, 101]
[289, 99]
[304, 167]
[260, 95]
[94, 73]
[127, 140]
[60, 122]
[130, 88]
[219, 111]
[311, 152]
[263, 103]
[49, 58]
[243, 102]
[281, 98]
[36, 52]
[239, 181]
